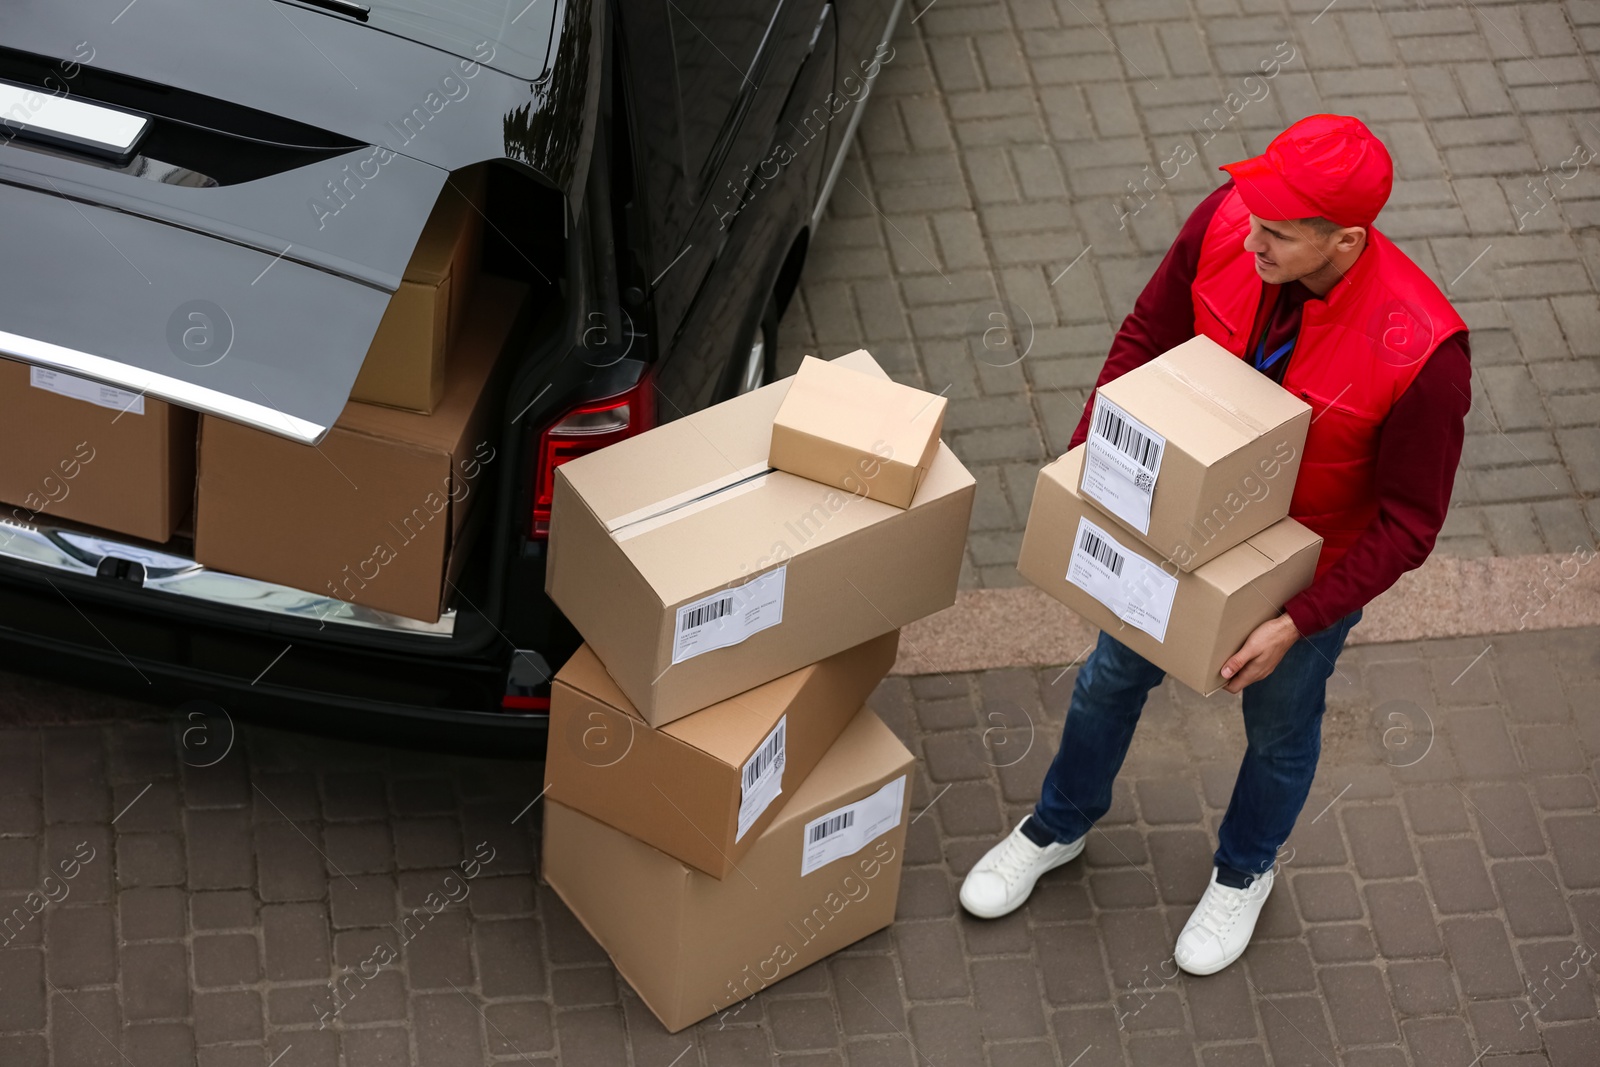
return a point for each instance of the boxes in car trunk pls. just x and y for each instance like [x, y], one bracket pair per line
[405, 367]
[375, 513]
[823, 875]
[1186, 624]
[702, 787]
[86, 452]
[696, 572]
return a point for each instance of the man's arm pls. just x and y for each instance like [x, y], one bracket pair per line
[1163, 316]
[1419, 449]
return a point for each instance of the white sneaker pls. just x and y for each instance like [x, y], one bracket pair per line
[1002, 880]
[1219, 930]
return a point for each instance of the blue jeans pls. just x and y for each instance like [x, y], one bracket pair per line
[1283, 725]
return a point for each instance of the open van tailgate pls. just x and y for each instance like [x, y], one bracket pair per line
[108, 295]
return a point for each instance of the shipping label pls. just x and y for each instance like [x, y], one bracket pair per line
[1122, 463]
[762, 778]
[53, 381]
[729, 616]
[847, 830]
[1137, 591]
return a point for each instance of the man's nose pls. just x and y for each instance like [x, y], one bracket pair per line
[1254, 243]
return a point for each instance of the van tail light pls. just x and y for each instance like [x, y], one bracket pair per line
[585, 428]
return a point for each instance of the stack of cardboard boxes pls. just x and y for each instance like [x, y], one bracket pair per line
[370, 516]
[1167, 527]
[720, 809]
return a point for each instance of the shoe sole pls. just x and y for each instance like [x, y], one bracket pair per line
[1063, 861]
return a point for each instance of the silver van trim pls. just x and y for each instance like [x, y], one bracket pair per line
[61, 548]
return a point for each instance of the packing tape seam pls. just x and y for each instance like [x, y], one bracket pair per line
[689, 507]
[687, 497]
[1216, 399]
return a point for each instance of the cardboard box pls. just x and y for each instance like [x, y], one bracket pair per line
[701, 788]
[691, 945]
[1195, 451]
[405, 367]
[696, 572]
[857, 432]
[374, 514]
[1186, 624]
[82, 451]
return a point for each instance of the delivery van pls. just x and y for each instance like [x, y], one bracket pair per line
[303, 302]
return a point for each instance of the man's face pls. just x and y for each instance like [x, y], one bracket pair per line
[1288, 250]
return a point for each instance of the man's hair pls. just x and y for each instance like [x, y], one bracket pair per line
[1320, 226]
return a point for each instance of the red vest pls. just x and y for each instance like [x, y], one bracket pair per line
[1358, 350]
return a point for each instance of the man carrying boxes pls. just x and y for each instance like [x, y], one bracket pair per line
[1280, 267]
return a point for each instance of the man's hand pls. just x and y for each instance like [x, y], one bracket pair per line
[1262, 651]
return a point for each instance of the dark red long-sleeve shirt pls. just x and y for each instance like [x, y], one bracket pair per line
[1419, 445]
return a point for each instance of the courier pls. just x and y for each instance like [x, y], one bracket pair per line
[1283, 269]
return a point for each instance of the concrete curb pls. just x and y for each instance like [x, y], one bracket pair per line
[1447, 596]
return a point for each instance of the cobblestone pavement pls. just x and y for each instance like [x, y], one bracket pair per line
[1437, 905]
[1021, 169]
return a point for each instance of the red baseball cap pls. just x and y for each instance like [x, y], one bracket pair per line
[1327, 165]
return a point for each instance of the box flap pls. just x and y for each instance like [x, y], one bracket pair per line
[867, 751]
[1246, 562]
[1204, 399]
[727, 731]
[1283, 539]
[689, 458]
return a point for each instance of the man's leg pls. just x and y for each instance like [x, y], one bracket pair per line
[1283, 727]
[1106, 701]
[1107, 698]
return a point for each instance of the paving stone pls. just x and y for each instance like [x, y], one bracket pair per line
[1437, 1042]
[1378, 841]
[1533, 903]
[1506, 821]
[1481, 955]
[154, 981]
[1457, 875]
[1324, 897]
[1358, 1002]
[82, 946]
[1423, 987]
[1576, 841]
[1401, 919]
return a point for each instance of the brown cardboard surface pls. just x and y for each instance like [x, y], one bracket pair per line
[373, 514]
[858, 432]
[679, 788]
[691, 945]
[405, 366]
[111, 467]
[690, 509]
[1234, 443]
[1215, 606]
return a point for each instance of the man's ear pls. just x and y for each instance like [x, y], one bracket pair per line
[1349, 238]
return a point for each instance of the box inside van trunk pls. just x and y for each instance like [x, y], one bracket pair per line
[374, 514]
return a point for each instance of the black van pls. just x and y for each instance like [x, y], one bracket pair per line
[656, 169]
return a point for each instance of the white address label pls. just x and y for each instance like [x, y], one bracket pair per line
[1122, 463]
[53, 381]
[729, 616]
[761, 780]
[1137, 591]
[847, 830]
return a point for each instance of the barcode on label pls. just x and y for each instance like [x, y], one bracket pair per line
[1101, 551]
[839, 822]
[1126, 437]
[759, 763]
[706, 613]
